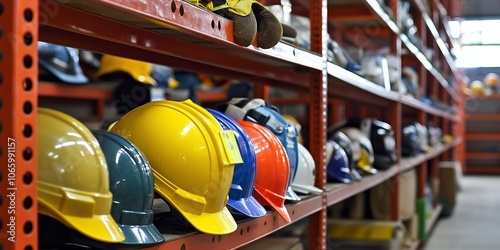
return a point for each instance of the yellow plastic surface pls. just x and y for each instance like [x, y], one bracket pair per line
[73, 181]
[191, 168]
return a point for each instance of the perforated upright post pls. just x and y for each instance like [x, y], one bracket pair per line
[317, 118]
[18, 103]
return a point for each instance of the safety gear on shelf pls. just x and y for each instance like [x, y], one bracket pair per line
[376, 69]
[409, 78]
[382, 139]
[73, 179]
[250, 19]
[491, 80]
[132, 184]
[140, 71]
[423, 137]
[297, 125]
[366, 155]
[273, 168]
[139, 82]
[191, 157]
[241, 192]
[306, 173]
[258, 111]
[352, 151]
[477, 87]
[337, 55]
[89, 62]
[435, 135]
[410, 143]
[337, 165]
[59, 63]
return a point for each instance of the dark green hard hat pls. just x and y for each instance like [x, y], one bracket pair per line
[132, 184]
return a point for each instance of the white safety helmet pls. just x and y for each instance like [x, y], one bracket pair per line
[306, 173]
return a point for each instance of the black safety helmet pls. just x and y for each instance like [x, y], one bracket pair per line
[410, 142]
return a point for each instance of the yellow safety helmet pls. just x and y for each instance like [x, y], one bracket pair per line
[477, 87]
[73, 181]
[191, 159]
[140, 71]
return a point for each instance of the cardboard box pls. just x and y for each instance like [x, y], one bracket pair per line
[411, 226]
[380, 197]
[449, 187]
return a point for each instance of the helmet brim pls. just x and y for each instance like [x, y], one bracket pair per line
[290, 195]
[77, 78]
[141, 234]
[248, 206]
[368, 169]
[306, 189]
[280, 208]
[98, 227]
[211, 223]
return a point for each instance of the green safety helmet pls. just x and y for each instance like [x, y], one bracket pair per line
[132, 184]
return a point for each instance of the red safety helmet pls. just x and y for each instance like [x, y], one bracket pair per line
[273, 168]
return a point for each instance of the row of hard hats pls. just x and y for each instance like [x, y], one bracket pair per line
[358, 147]
[196, 159]
[418, 138]
[265, 155]
[65, 64]
[363, 147]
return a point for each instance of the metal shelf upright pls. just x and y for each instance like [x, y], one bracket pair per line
[18, 105]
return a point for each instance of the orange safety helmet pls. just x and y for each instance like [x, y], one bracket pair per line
[273, 168]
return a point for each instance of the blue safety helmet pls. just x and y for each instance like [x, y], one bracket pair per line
[132, 184]
[242, 187]
[258, 111]
[59, 63]
[338, 165]
[343, 141]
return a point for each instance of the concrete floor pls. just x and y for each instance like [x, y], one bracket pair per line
[475, 223]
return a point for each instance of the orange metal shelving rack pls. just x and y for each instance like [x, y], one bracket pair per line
[177, 35]
[18, 102]
[181, 39]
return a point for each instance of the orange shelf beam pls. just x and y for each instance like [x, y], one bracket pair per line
[247, 231]
[99, 95]
[206, 97]
[350, 12]
[73, 91]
